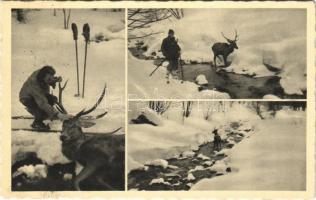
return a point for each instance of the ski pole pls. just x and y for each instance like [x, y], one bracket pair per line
[86, 35]
[157, 67]
[75, 36]
[181, 68]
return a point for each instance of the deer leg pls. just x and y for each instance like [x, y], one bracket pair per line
[84, 173]
[215, 60]
[102, 182]
[225, 61]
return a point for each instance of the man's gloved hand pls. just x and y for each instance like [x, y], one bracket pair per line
[63, 117]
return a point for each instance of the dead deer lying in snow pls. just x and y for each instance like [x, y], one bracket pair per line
[99, 154]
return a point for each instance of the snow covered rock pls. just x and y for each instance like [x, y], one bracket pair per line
[67, 177]
[197, 168]
[203, 157]
[188, 154]
[32, 171]
[159, 181]
[158, 163]
[201, 79]
[190, 177]
[208, 163]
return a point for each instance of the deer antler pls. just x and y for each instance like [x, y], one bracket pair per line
[84, 112]
[236, 35]
[225, 37]
[60, 106]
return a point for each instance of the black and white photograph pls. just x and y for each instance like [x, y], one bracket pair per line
[217, 145]
[68, 100]
[217, 53]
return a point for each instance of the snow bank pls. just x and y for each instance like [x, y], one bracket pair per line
[271, 159]
[32, 171]
[283, 48]
[46, 146]
[141, 85]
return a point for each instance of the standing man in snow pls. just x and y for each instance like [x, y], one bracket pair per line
[171, 50]
[35, 96]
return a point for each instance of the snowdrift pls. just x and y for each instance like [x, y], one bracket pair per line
[283, 46]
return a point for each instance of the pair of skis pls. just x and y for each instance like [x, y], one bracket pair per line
[86, 35]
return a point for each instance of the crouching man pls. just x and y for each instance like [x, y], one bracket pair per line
[217, 141]
[35, 96]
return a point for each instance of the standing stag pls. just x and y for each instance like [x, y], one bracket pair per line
[224, 49]
[101, 155]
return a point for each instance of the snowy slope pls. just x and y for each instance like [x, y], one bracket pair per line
[43, 41]
[271, 159]
[141, 85]
[278, 39]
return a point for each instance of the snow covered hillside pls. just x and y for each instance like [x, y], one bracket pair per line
[277, 39]
[42, 40]
[271, 159]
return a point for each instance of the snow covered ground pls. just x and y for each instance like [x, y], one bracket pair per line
[42, 40]
[271, 159]
[175, 135]
[277, 39]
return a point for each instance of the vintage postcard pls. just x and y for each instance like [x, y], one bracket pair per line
[158, 99]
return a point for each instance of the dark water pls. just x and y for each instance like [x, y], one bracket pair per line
[238, 86]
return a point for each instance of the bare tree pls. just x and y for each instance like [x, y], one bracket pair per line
[144, 18]
[54, 13]
[66, 18]
[159, 106]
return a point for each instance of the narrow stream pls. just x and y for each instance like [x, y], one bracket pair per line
[238, 86]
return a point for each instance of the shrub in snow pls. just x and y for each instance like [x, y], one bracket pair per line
[158, 163]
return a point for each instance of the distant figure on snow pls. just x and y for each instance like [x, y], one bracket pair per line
[217, 141]
[171, 50]
[35, 96]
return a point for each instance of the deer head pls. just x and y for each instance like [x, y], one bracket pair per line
[72, 128]
[232, 43]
